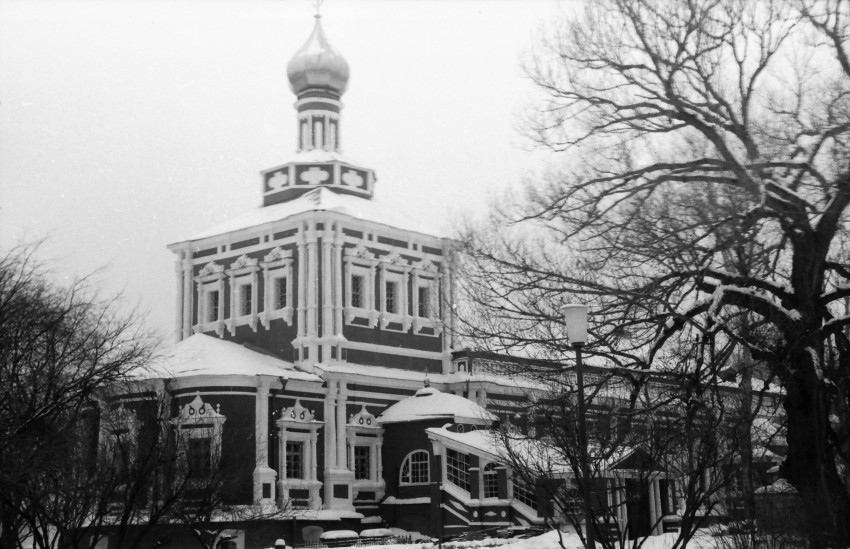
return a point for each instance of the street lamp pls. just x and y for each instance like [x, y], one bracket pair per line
[575, 319]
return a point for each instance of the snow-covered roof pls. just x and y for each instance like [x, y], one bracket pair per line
[314, 155]
[321, 199]
[429, 403]
[535, 453]
[200, 355]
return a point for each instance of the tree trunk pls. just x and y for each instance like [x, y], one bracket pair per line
[810, 464]
[745, 440]
[8, 530]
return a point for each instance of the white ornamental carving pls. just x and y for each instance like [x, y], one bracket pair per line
[364, 419]
[352, 178]
[315, 175]
[395, 259]
[198, 411]
[278, 180]
[243, 261]
[360, 251]
[211, 268]
[297, 413]
[277, 254]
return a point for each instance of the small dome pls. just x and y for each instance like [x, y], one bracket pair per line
[317, 65]
[429, 403]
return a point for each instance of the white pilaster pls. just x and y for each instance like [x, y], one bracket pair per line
[312, 292]
[187, 294]
[340, 425]
[327, 291]
[178, 271]
[302, 283]
[263, 474]
[339, 305]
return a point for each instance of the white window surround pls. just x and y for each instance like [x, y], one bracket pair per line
[276, 265]
[298, 424]
[427, 276]
[359, 261]
[198, 419]
[394, 269]
[119, 432]
[242, 272]
[407, 467]
[490, 480]
[210, 279]
[363, 430]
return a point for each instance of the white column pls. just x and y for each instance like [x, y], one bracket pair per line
[313, 458]
[376, 460]
[178, 326]
[306, 465]
[340, 425]
[187, 294]
[653, 506]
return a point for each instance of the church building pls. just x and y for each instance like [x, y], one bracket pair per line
[314, 352]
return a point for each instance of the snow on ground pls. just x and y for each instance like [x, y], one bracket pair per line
[549, 540]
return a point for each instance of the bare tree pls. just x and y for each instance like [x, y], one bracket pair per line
[59, 346]
[708, 181]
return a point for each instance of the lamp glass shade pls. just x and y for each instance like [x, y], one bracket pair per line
[575, 319]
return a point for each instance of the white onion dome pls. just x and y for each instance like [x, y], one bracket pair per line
[317, 65]
[429, 403]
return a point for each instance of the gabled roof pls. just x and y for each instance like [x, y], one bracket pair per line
[203, 355]
[320, 199]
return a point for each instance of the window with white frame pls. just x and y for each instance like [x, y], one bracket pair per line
[457, 469]
[359, 299]
[394, 272]
[425, 282]
[119, 431]
[415, 469]
[391, 297]
[295, 459]
[357, 289]
[244, 278]
[210, 286]
[490, 481]
[279, 288]
[524, 494]
[297, 474]
[199, 431]
[362, 462]
[246, 299]
[424, 302]
[277, 281]
[364, 439]
[213, 304]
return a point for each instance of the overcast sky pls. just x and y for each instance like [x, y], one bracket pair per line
[128, 125]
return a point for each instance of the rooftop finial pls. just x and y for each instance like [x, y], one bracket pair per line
[318, 5]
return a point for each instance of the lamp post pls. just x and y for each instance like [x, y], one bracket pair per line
[575, 319]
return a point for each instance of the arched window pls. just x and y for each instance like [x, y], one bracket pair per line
[415, 468]
[490, 481]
